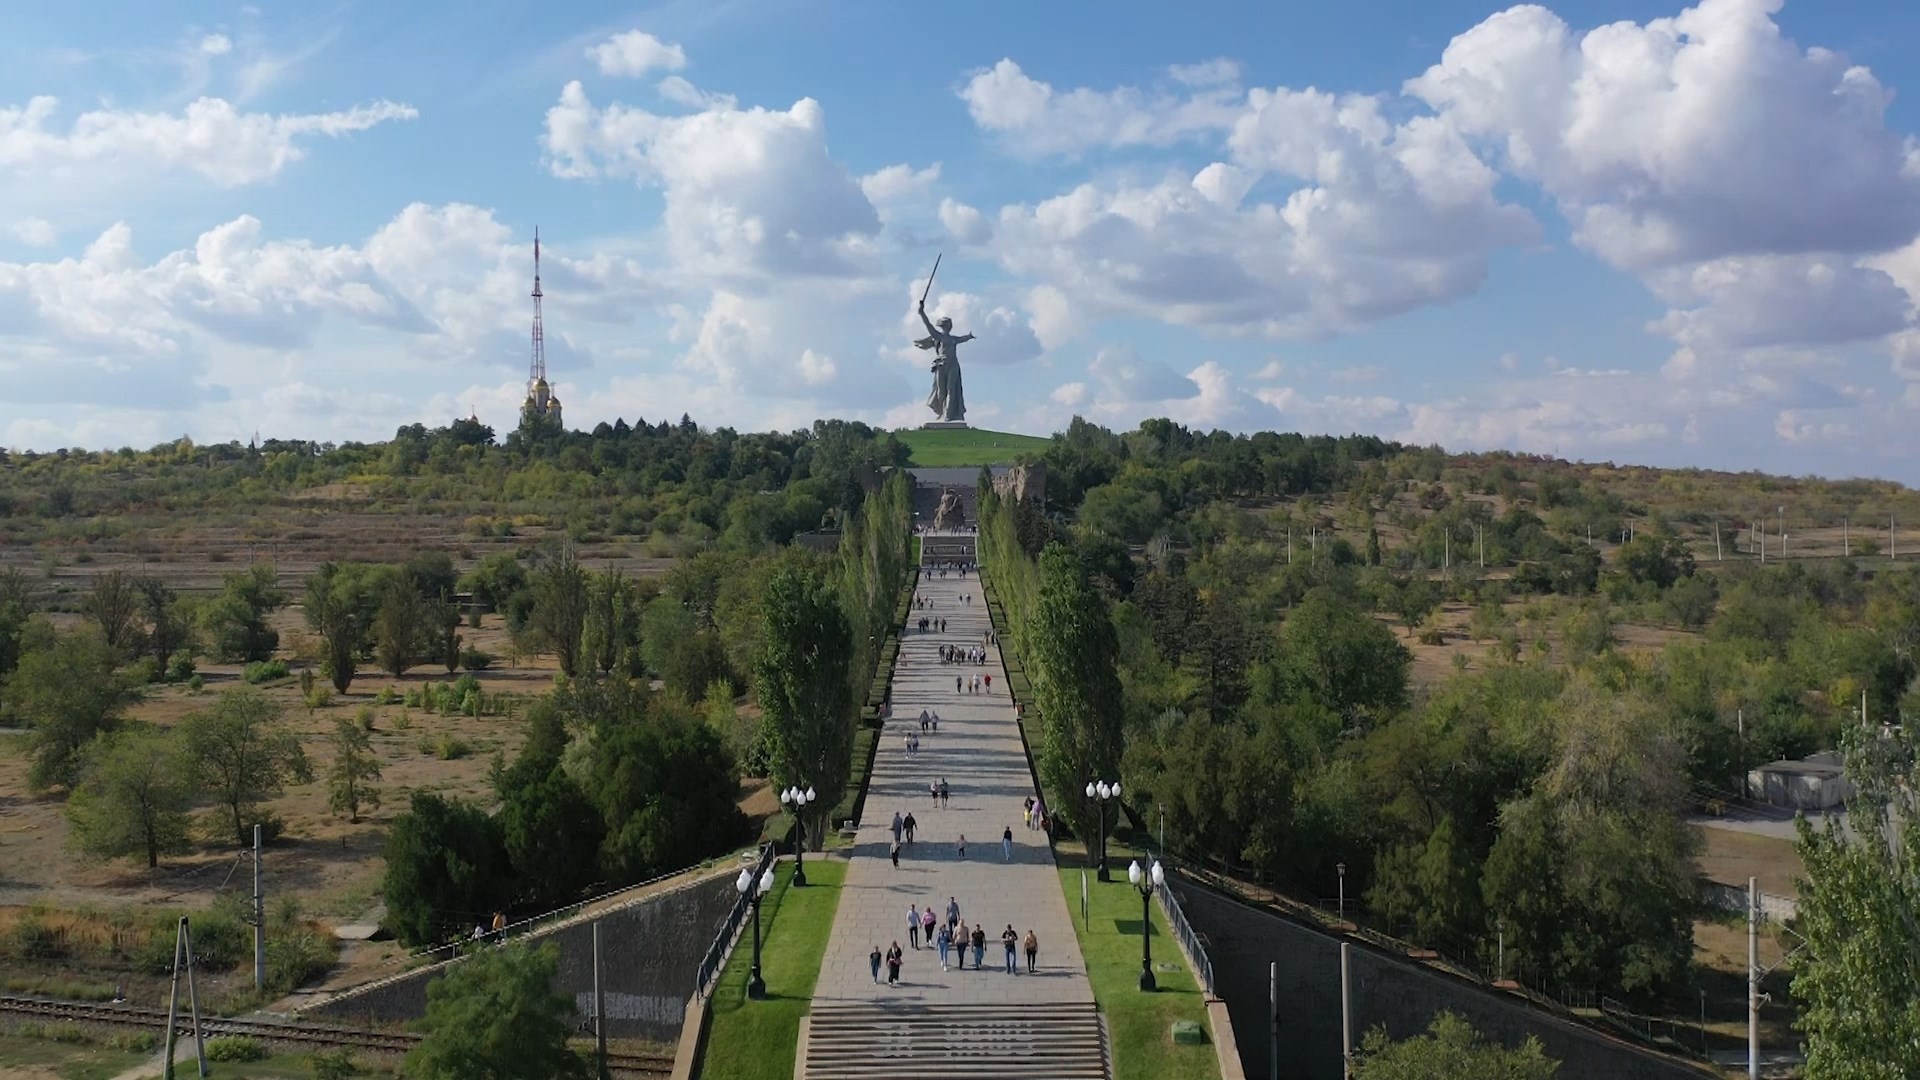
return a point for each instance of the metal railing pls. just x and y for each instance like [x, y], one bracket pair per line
[723, 941]
[1190, 942]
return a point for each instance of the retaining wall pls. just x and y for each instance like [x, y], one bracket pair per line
[1397, 993]
[650, 954]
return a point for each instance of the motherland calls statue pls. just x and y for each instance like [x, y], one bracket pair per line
[947, 400]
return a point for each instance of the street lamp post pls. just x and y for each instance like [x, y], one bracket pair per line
[1145, 881]
[796, 800]
[1341, 869]
[746, 886]
[1098, 792]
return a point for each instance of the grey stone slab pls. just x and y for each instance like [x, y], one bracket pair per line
[978, 751]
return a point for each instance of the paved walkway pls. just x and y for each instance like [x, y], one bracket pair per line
[978, 751]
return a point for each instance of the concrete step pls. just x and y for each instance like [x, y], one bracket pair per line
[956, 1042]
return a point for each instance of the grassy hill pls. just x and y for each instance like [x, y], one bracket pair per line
[971, 446]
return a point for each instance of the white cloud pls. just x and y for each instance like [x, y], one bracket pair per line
[1072, 395]
[1125, 377]
[749, 192]
[1053, 320]
[35, 232]
[209, 137]
[964, 223]
[898, 183]
[635, 53]
[1705, 135]
[816, 368]
[1206, 73]
[1036, 118]
[216, 45]
[681, 92]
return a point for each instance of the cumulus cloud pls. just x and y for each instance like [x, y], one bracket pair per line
[1035, 118]
[749, 192]
[1689, 138]
[898, 183]
[209, 137]
[35, 232]
[635, 53]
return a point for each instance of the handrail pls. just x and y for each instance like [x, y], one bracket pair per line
[1189, 940]
[723, 941]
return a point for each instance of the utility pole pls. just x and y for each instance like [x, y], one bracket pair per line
[1753, 979]
[1446, 550]
[1716, 541]
[193, 998]
[1346, 1012]
[259, 920]
[1480, 540]
[1893, 543]
[1760, 536]
[1273, 1020]
[1846, 540]
[599, 1007]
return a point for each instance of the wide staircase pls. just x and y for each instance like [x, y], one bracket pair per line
[908, 1041]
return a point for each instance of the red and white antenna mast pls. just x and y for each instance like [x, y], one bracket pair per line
[538, 371]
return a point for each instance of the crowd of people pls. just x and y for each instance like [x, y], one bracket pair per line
[951, 935]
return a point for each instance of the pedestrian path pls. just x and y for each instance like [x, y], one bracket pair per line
[979, 753]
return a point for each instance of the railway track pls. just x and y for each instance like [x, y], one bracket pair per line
[397, 1042]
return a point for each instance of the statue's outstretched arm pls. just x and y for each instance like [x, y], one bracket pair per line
[928, 322]
[963, 337]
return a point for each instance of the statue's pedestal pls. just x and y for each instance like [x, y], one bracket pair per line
[944, 425]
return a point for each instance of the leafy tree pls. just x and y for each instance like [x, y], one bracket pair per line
[16, 607]
[1073, 655]
[168, 630]
[553, 834]
[612, 621]
[445, 616]
[132, 798]
[1655, 559]
[666, 785]
[243, 753]
[236, 619]
[332, 613]
[496, 1016]
[350, 778]
[800, 680]
[1414, 598]
[1450, 1050]
[114, 605]
[401, 626]
[686, 657]
[446, 865]
[1373, 545]
[1858, 980]
[66, 691]
[1336, 655]
[560, 602]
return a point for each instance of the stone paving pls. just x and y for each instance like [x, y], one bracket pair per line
[978, 751]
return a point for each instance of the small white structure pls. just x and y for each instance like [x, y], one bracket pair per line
[1813, 783]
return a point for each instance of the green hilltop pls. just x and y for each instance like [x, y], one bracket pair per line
[968, 446]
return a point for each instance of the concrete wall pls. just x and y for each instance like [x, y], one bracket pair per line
[650, 952]
[1403, 996]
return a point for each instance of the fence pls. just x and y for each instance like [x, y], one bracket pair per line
[723, 941]
[1734, 898]
[1190, 942]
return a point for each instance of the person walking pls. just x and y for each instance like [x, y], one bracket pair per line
[1033, 951]
[873, 961]
[953, 912]
[893, 964]
[899, 826]
[1006, 844]
[960, 943]
[927, 921]
[945, 793]
[896, 854]
[957, 679]
[909, 824]
[933, 788]
[979, 947]
[1010, 939]
[913, 925]
[944, 940]
[962, 846]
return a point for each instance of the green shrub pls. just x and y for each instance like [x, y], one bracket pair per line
[35, 940]
[235, 1048]
[453, 748]
[143, 671]
[180, 669]
[333, 1065]
[364, 718]
[319, 697]
[387, 696]
[265, 671]
[475, 660]
[196, 684]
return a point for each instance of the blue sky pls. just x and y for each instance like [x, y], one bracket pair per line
[1617, 231]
